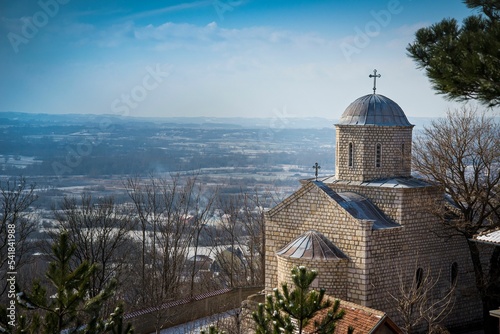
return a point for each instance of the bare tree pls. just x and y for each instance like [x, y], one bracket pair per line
[229, 258]
[229, 241]
[253, 205]
[203, 212]
[461, 155]
[419, 300]
[148, 208]
[16, 225]
[100, 233]
[239, 239]
[171, 213]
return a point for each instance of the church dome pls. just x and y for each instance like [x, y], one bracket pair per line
[311, 245]
[374, 109]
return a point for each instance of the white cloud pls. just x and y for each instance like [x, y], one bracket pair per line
[212, 33]
[170, 30]
[172, 8]
[116, 35]
[409, 30]
[404, 34]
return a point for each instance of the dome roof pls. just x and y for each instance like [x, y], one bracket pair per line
[374, 109]
[311, 245]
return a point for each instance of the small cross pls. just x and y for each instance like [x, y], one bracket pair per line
[374, 76]
[317, 167]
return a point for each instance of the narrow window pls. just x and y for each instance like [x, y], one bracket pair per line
[402, 155]
[351, 153]
[419, 276]
[378, 154]
[453, 273]
[336, 153]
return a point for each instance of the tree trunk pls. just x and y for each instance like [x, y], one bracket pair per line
[490, 323]
[489, 302]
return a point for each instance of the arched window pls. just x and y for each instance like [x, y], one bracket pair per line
[351, 154]
[419, 276]
[453, 273]
[378, 155]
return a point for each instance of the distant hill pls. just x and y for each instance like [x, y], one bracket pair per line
[12, 117]
[186, 122]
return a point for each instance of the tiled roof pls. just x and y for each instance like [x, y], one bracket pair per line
[362, 318]
[311, 245]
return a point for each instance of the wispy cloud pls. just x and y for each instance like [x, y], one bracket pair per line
[215, 36]
[116, 35]
[171, 30]
[404, 35]
[169, 9]
[409, 30]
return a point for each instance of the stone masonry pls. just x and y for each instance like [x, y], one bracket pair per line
[385, 241]
[395, 146]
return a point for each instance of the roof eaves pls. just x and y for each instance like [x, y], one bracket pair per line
[380, 322]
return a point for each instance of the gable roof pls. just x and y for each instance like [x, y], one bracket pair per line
[354, 204]
[362, 318]
[358, 206]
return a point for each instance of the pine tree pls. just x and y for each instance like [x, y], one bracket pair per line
[68, 306]
[462, 61]
[115, 324]
[290, 311]
[212, 330]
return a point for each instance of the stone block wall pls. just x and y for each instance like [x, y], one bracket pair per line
[395, 160]
[422, 242]
[378, 260]
[311, 209]
[332, 274]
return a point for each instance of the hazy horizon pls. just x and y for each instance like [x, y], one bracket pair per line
[214, 58]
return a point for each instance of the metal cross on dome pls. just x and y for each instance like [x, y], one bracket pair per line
[317, 167]
[374, 76]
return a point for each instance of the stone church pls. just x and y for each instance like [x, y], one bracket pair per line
[366, 229]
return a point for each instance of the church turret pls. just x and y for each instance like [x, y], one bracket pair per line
[373, 139]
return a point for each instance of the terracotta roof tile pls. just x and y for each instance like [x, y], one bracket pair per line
[362, 318]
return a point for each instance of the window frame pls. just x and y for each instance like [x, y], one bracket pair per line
[350, 155]
[378, 155]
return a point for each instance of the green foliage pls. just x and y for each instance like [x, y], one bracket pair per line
[463, 62]
[290, 311]
[115, 324]
[212, 330]
[68, 305]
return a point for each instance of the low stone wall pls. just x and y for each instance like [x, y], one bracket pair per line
[185, 310]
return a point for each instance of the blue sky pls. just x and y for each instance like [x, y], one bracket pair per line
[216, 58]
